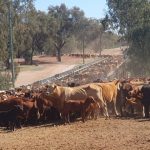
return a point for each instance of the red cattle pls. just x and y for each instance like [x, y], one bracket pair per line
[143, 93]
[91, 108]
[84, 107]
[72, 106]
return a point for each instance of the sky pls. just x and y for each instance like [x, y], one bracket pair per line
[92, 8]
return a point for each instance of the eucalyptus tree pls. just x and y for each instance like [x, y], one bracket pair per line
[5, 77]
[132, 19]
[27, 29]
[40, 37]
[61, 23]
[98, 28]
[3, 30]
[29, 21]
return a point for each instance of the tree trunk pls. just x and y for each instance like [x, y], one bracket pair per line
[31, 57]
[58, 55]
[8, 64]
[58, 50]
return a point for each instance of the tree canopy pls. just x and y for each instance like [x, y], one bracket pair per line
[131, 18]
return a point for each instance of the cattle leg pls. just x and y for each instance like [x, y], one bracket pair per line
[92, 114]
[7, 125]
[105, 111]
[122, 108]
[143, 112]
[146, 110]
[18, 123]
[12, 126]
[115, 109]
[132, 110]
[64, 117]
[68, 118]
[83, 115]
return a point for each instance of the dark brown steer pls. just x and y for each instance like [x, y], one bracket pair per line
[11, 117]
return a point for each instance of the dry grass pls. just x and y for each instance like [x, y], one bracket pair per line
[113, 134]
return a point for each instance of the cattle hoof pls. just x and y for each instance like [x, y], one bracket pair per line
[117, 116]
[146, 117]
[107, 118]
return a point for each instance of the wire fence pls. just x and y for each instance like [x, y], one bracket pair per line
[119, 72]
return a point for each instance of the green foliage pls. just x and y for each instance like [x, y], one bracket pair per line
[132, 19]
[5, 77]
[4, 82]
[61, 23]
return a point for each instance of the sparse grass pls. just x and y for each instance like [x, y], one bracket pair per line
[30, 68]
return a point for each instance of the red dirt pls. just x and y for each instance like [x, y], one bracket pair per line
[101, 134]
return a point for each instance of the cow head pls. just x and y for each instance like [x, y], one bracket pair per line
[136, 92]
[117, 83]
[50, 88]
[125, 87]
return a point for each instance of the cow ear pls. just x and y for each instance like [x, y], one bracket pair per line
[118, 84]
[54, 86]
[88, 87]
[127, 99]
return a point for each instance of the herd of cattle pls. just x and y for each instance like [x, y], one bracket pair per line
[52, 102]
[87, 95]
[95, 73]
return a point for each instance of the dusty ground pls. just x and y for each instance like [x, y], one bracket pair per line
[101, 134]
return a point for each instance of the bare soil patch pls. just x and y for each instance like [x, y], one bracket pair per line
[101, 134]
[45, 66]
